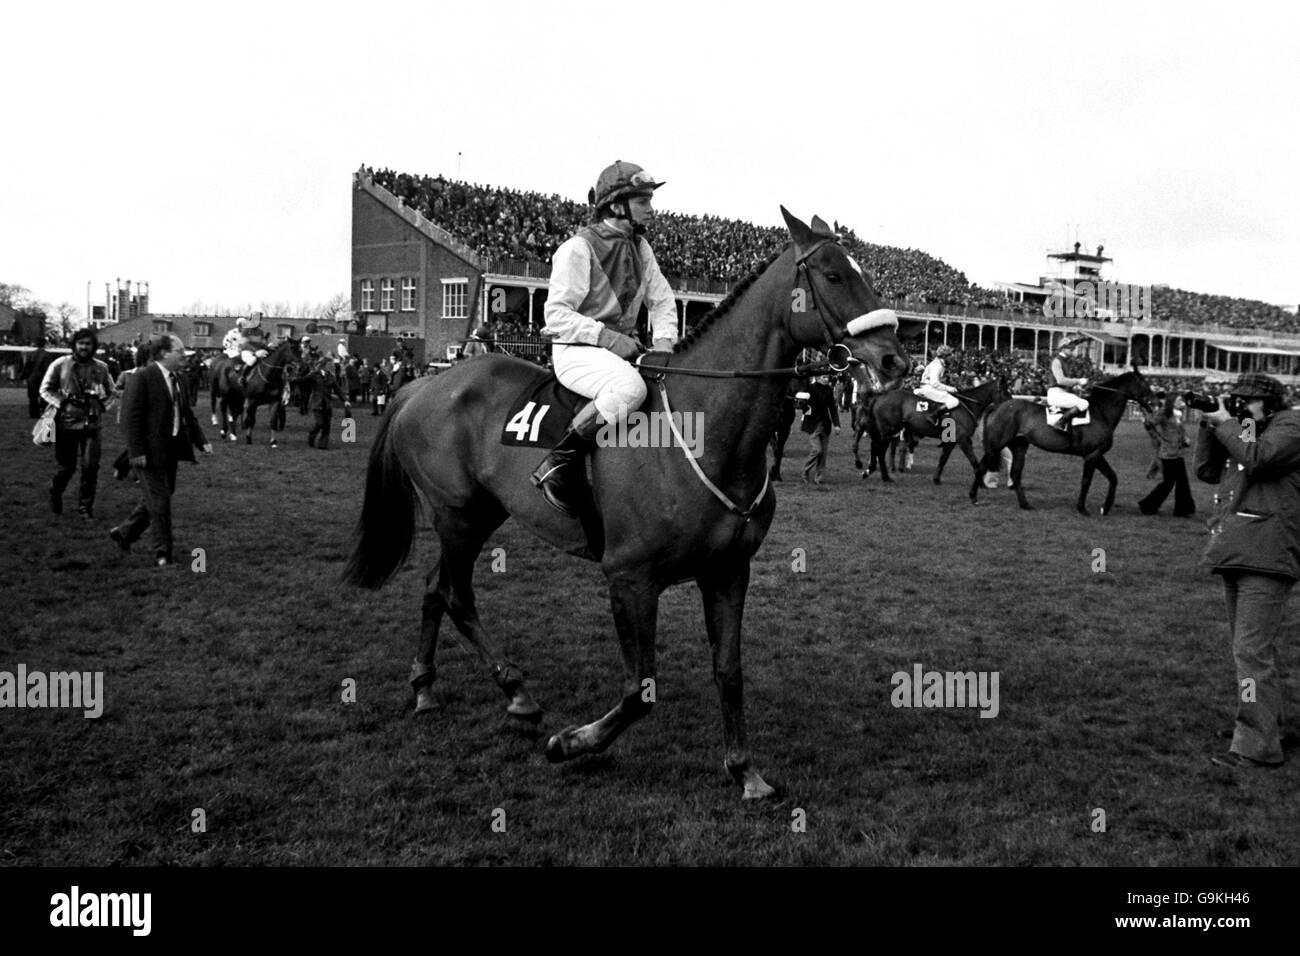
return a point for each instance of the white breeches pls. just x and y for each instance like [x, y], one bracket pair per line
[599, 374]
[934, 394]
[1060, 398]
[231, 352]
[249, 356]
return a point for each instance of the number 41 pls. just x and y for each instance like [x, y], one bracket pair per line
[519, 424]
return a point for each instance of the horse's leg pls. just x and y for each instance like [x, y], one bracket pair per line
[879, 450]
[1108, 473]
[215, 402]
[635, 599]
[450, 590]
[909, 440]
[724, 603]
[250, 419]
[945, 449]
[1089, 468]
[857, 442]
[1018, 448]
[969, 452]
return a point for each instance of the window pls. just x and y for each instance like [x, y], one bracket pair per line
[367, 295]
[386, 295]
[160, 326]
[454, 299]
[203, 329]
[284, 331]
[408, 295]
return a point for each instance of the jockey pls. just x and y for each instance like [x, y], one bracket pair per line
[235, 342]
[246, 342]
[1058, 395]
[935, 389]
[599, 279]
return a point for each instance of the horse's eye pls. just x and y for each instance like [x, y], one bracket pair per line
[833, 278]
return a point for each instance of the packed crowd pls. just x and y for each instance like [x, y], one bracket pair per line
[528, 227]
[1202, 309]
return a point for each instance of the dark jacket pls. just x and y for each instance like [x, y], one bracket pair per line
[1256, 525]
[147, 420]
[323, 389]
[821, 413]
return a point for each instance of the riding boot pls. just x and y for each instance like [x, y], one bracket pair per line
[1066, 417]
[559, 476]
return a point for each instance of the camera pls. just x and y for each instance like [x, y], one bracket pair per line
[1202, 403]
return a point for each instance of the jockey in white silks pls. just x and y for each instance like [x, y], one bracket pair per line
[245, 342]
[1058, 395]
[934, 388]
[600, 277]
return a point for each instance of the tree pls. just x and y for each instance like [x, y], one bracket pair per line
[338, 309]
[66, 319]
[15, 296]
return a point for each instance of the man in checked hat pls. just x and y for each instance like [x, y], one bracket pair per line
[600, 278]
[1255, 546]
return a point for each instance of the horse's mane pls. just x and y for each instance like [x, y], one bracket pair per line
[725, 306]
[1124, 375]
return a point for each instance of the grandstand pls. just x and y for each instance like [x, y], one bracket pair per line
[433, 257]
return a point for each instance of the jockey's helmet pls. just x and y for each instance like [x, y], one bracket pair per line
[621, 181]
[241, 323]
[943, 351]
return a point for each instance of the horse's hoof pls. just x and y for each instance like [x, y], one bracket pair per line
[425, 703]
[1026, 507]
[555, 749]
[1084, 511]
[937, 481]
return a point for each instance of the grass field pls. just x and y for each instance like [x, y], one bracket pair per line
[223, 689]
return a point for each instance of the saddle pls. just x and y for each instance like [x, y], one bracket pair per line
[540, 413]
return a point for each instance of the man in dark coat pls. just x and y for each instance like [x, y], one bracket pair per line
[1255, 545]
[322, 387]
[820, 416]
[160, 431]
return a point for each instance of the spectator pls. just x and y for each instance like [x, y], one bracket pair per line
[1165, 426]
[819, 418]
[160, 431]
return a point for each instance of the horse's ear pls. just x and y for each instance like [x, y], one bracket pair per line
[799, 232]
[820, 228]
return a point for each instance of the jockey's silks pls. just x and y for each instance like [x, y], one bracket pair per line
[616, 254]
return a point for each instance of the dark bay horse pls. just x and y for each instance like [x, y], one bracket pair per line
[1020, 423]
[884, 415]
[660, 523]
[265, 385]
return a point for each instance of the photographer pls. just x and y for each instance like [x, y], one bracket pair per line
[80, 387]
[1253, 446]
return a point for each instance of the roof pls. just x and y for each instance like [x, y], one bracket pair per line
[1230, 346]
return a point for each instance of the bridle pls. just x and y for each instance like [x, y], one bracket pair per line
[838, 359]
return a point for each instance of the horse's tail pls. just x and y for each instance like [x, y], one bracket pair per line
[386, 527]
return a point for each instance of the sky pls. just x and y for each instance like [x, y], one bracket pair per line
[210, 151]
